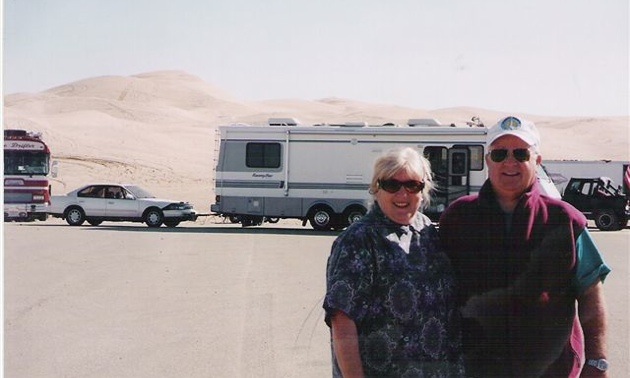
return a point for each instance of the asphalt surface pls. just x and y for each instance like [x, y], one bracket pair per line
[199, 300]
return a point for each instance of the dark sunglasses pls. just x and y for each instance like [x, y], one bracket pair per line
[520, 154]
[393, 186]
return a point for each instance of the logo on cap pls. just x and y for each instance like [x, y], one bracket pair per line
[511, 123]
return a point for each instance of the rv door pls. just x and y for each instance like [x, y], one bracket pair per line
[458, 173]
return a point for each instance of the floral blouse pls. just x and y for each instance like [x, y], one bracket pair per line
[397, 286]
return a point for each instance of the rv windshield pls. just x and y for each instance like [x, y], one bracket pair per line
[26, 163]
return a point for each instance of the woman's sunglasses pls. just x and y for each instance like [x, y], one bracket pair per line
[520, 154]
[393, 186]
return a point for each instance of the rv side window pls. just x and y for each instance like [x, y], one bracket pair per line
[475, 156]
[262, 155]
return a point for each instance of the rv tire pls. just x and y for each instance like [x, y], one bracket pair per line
[322, 218]
[353, 214]
[247, 221]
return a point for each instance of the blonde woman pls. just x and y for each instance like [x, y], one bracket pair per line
[390, 291]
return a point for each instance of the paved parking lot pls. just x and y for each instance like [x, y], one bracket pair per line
[124, 300]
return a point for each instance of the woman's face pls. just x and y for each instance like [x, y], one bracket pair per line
[402, 206]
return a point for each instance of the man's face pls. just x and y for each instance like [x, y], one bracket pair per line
[510, 177]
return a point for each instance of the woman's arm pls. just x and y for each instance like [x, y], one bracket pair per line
[346, 345]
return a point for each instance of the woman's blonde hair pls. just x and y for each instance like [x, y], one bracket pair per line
[404, 159]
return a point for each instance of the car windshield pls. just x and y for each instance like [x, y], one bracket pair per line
[138, 192]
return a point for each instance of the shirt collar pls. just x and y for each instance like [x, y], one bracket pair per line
[418, 222]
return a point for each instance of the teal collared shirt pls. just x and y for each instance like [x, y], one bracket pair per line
[590, 264]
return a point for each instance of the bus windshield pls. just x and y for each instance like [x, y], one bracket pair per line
[26, 163]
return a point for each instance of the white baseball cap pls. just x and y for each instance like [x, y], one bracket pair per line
[520, 128]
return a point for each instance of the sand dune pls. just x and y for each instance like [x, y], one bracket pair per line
[158, 129]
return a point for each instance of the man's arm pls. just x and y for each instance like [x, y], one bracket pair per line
[592, 312]
[346, 345]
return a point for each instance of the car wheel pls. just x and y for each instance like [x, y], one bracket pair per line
[171, 223]
[75, 216]
[322, 218]
[94, 222]
[606, 220]
[153, 217]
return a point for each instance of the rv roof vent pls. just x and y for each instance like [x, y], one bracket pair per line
[354, 124]
[423, 122]
[283, 122]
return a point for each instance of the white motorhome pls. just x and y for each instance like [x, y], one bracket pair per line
[321, 173]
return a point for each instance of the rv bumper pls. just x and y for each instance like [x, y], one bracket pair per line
[25, 212]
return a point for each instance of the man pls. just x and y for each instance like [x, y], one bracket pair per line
[522, 261]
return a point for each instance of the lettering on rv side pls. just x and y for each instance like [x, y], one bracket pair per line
[262, 175]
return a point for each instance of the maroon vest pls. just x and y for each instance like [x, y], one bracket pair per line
[515, 282]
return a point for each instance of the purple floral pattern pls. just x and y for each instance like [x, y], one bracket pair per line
[401, 301]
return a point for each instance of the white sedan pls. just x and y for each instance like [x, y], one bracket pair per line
[96, 203]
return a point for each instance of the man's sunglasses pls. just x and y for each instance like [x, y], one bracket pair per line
[393, 186]
[500, 154]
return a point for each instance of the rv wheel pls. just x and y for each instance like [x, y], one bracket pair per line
[353, 214]
[321, 218]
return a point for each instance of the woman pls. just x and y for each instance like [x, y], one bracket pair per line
[390, 293]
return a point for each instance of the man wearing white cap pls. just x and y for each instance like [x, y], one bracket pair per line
[523, 261]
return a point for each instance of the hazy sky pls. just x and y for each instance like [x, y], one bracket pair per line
[545, 57]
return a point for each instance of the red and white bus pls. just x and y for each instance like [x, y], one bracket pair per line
[27, 167]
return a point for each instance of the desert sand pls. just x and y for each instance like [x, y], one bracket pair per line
[159, 129]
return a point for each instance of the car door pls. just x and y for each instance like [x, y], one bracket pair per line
[92, 200]
[119, 204]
